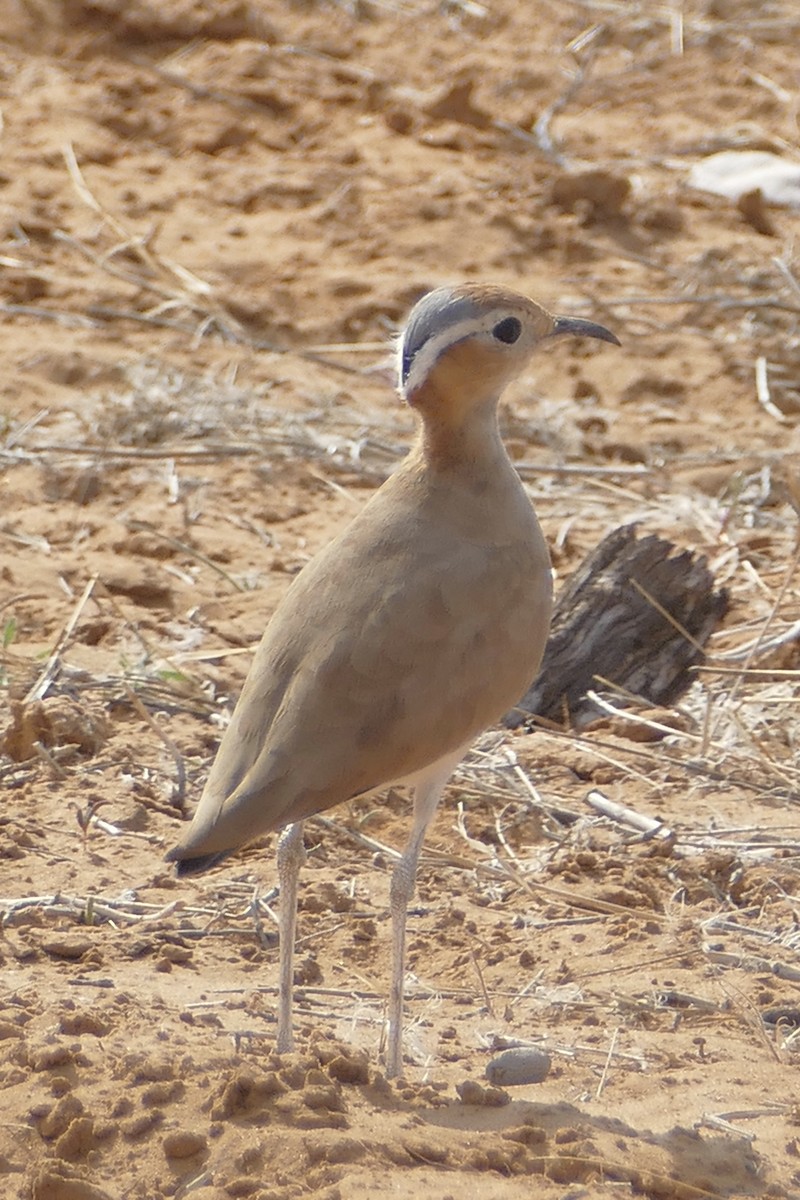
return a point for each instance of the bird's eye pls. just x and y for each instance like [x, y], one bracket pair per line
[507, 330]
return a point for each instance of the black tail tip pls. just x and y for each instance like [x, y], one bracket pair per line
[194, 866]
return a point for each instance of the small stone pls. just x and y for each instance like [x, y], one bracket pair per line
[61, 1116]
[183, 1143]
[426, 1150]
[316, 1078]
[472, 1092]
[567, 1135]
[293, 1069]
[72, 948]
[176, 954]
[84, 1022]
[77, 1141]
[526, 1135]
[513, 1068]
[151, 1070]
[601, 192]
[323, 1097]
[342, 1150]
[245, 1185]
[349, 1068]
[51, 1181]
[141, 584]
[268, 1085]
[399, 120]
[162, 1093]
[137, 1127]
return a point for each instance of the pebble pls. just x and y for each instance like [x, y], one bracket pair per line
[71, 948]
[513, 1068]
[183, 1143]
[472, 1092]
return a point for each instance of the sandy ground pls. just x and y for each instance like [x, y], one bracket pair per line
[213, 215]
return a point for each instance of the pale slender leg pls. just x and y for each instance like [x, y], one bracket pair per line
[291, 855]
[426, 797]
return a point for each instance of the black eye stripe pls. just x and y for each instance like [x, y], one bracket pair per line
[507, 330]
[419, 334]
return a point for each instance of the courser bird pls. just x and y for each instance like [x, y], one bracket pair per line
[411, 632]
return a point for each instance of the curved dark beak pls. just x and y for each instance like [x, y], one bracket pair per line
[580, 328]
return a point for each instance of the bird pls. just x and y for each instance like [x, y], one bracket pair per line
[410, 633]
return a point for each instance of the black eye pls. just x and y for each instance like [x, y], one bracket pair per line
[507, 330]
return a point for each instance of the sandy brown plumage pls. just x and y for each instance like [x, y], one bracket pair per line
[417, 627]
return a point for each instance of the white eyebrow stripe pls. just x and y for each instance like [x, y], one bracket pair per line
[430, 350]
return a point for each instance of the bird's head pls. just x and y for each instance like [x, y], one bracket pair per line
[471, 341]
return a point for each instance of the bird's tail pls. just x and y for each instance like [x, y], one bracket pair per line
[196, 865]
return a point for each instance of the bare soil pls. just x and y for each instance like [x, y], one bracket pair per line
[213, 214]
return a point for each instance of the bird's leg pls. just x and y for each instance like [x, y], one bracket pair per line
[426, 797]
[291, 855]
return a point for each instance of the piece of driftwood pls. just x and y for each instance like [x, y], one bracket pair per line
[609, 624]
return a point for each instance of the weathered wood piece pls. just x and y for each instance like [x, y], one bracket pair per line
[605, 626]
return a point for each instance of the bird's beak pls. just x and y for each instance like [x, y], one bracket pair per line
[580, 328]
